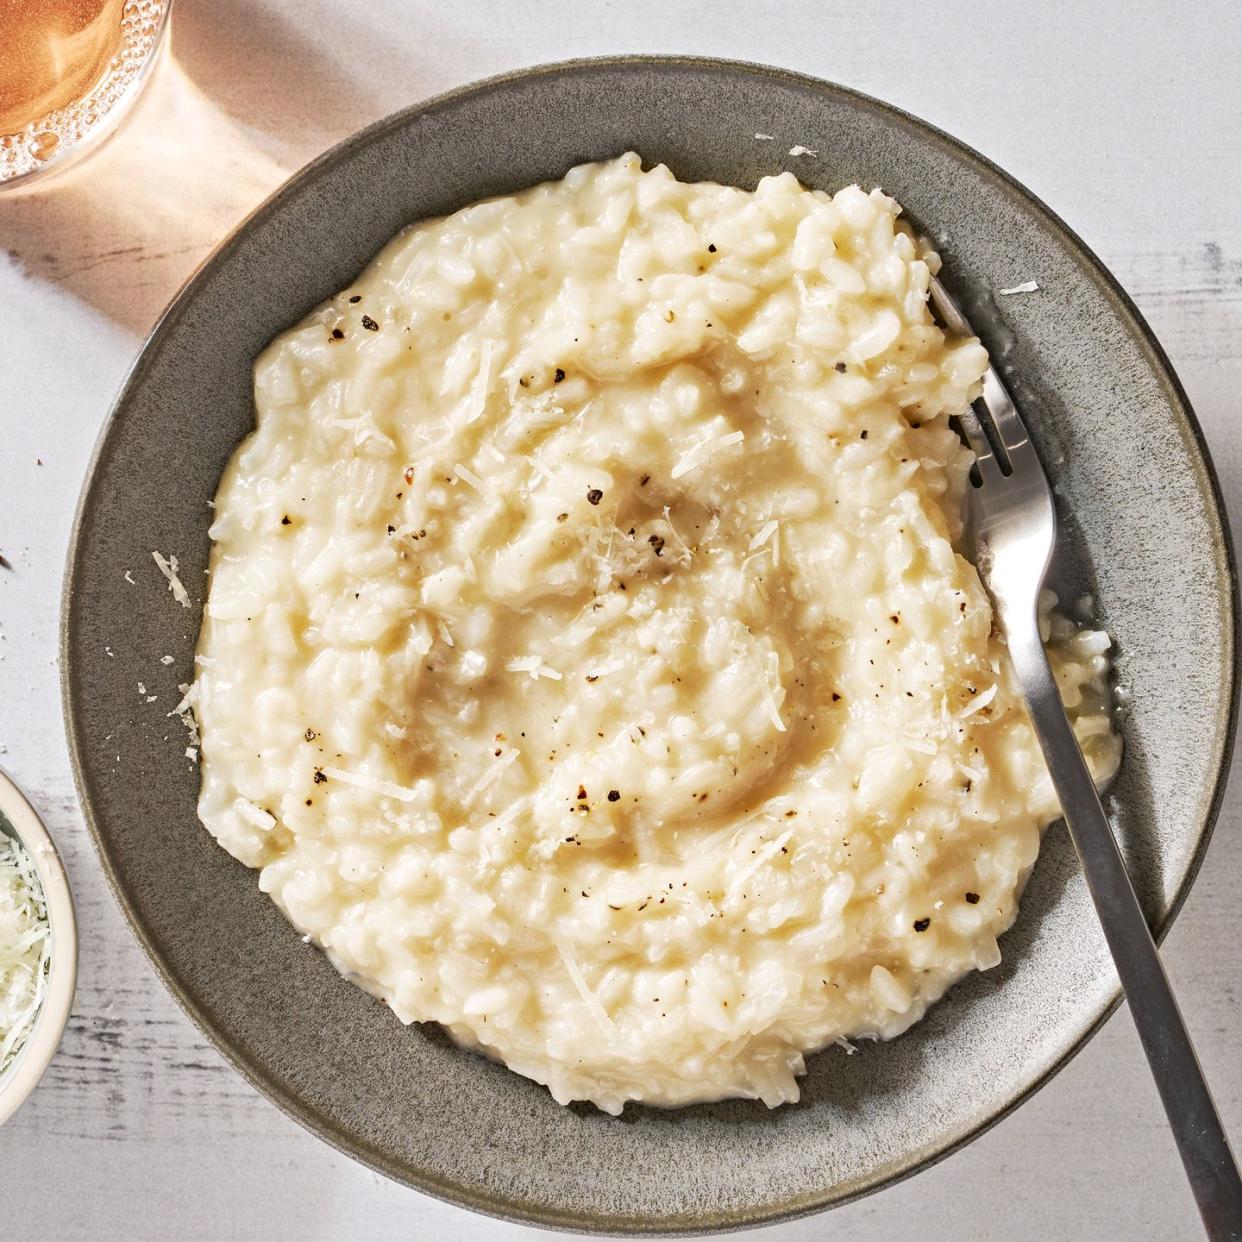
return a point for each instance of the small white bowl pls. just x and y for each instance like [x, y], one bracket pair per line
[23, 1074]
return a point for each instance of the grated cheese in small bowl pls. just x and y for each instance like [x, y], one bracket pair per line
[25, 949]
[38, 948]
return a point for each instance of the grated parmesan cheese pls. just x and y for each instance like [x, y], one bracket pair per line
[169, 569]
[385, 789]
[979, 702]
[765, 533]
[189, 695]
[1027, 286]
[589, 999]
[534, 665]
[761, 859]
[184, 711]
[478, 392]
[772, 699]
[681, 543]
[25, 948]
[697, 455]
[491, 775]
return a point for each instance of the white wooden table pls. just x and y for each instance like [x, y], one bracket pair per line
[1127, 123]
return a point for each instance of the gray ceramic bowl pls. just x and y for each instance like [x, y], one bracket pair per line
[1143, 531]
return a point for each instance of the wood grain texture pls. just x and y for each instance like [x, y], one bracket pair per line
[1129, 131]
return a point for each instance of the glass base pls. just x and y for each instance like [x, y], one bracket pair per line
[56, 141]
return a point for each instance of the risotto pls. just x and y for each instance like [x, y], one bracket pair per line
[589, 665]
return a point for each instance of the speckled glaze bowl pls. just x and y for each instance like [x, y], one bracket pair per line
[1142, 530]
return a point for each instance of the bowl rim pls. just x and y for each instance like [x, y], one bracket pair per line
[23, 1075]
[497, 1204]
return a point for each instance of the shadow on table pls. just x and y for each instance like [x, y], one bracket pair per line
[288, 93]
[242, 100]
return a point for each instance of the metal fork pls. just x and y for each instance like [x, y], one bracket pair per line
[1011, 515]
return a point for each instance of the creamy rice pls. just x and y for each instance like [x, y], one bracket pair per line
[588, 666]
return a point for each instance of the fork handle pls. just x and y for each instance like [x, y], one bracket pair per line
[1196, 1126]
